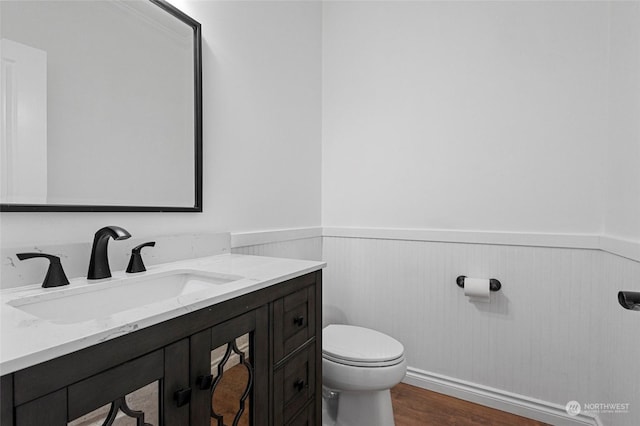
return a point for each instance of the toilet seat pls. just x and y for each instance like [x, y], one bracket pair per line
[360, 347]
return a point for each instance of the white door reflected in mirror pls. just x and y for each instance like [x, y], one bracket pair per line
[23, 140]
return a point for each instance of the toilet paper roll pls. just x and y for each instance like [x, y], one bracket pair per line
[477, 289]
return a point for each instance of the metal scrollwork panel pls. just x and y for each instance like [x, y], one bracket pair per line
[139, 408]
[120, 405]
[231, 388]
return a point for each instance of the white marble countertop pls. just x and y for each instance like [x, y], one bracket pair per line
[26, 339]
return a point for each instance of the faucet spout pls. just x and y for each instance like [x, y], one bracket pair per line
[99, 261]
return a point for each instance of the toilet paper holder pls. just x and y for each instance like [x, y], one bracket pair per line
[629, 300]
[494, 284]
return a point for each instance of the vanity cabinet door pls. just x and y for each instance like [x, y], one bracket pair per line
[138, 389]
[6, 395]
[47, 410]
[111, 386]
[229, 372]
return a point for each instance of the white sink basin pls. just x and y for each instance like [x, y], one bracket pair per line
[95, 301]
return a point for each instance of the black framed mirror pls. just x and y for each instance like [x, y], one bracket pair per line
[101, 107]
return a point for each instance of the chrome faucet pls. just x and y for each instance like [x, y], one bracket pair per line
[99, 262]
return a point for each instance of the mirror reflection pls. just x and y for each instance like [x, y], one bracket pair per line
[97, 104]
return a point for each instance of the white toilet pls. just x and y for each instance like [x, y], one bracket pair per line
[359, 367]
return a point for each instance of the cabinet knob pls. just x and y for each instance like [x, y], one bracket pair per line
[299, 320]
[204, 382]
[182, 397]
[299, 384]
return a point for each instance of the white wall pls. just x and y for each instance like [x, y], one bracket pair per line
[262, 79]
[464, 115]
[623, 165]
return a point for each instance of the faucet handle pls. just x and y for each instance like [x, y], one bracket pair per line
[137, 249]
[55, 274]
[135, 262]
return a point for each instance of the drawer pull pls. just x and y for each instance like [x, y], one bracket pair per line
[299, 321]
[299, 384]
[204, 382]
[182, 397]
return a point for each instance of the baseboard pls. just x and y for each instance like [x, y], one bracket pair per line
[520, 405]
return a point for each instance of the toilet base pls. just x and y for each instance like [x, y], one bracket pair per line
[329, 410]
[370, 408]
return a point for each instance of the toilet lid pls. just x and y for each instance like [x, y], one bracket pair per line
[348, 344]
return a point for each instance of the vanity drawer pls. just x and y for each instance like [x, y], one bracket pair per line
[306, 417]
[294, 318]
[295, 383]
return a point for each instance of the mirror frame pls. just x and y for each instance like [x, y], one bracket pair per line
[197, 66]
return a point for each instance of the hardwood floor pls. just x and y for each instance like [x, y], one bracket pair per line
[413, 406]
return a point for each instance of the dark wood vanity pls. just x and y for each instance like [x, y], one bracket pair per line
[283, 323]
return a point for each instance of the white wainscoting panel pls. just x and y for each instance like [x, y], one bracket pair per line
[555, 332]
